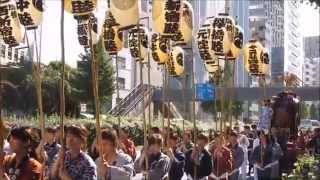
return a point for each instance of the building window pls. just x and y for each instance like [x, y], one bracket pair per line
[121, 63]
[121, 83]
[3, 51]
[16, 55]
[9, 53]
[126, 39]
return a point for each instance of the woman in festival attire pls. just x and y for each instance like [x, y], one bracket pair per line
[222, 160]
[126, 144]
[244, 144]
[115, 165]
[74, 164]
[264, 156]
[158, 162]
[237, 155]
[176, 156]
[20, 166]
[187, 143]
[51, 148]
[200, 158]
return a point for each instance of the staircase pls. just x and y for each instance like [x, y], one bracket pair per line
[131, 104]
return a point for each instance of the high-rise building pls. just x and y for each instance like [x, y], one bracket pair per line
[311, 46]
[311, 66]
[276, 24]
[311, 71]
[239, 10]
[293, 44]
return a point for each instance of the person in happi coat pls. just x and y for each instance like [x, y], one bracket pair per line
[19, 165]
[262, 157]
[187, 143]
[158, 162]
[222, 160]
[277, 153]
[177, 158]
[51, 148]
[244, 143]
[199, 158]
[237, 155]
[114, 164]
[314, 142]
[74, 163]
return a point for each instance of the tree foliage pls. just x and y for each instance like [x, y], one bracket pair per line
[214, 107]
[21, 95]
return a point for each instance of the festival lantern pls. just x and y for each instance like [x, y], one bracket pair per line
[159, 48]
[203, 42]
[125, 12]
[186, 24]
[134, 43]
[112, 37]
[176, 61]
[265, 61]
[166, 17]
[237, 43]
[81, 8]
[30, 12]
[254, 57]
[222, 35]
[83, 30]
[10, 29]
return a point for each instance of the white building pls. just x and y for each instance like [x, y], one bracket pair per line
[12, 55]
[311, 72]
[293, 41]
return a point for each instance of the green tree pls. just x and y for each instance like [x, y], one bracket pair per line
[313, 112]
[84, 80]
[304, 110]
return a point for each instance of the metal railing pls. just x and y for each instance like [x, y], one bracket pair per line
[131, 100]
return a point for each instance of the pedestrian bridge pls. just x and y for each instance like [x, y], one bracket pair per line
[241, 93]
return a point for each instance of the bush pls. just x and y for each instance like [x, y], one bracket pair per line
[306, 168]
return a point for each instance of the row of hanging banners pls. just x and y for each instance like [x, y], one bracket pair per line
[219, 39]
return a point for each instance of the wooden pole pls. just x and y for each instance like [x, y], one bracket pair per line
[95, 87]
[145, 130]
[163, 94]
[62, 95]
[118, 91]
[193, 112]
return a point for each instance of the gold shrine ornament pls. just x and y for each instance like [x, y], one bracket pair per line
[133, 39]
[176, 61]
[125, 12]
[11, 30]
[186, 23]
[80, 7]
[166, 16]
[253, 58]
[30, 12]
[159, 48]
[112, 36]
[237, 43]
[222, 34]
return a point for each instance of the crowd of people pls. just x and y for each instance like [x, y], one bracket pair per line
[231, 155]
